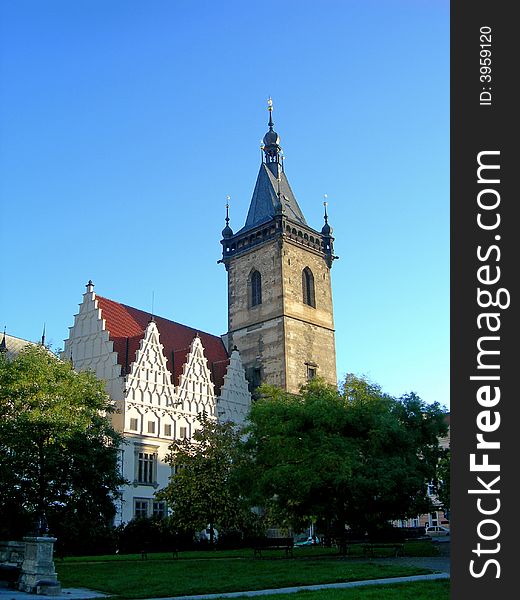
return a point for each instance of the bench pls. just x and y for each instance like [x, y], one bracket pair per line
[286, 544]
[144, 554]
[370, 549]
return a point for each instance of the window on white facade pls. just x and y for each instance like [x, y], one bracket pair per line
[167, 430]
[141, 508]
[146, 467]
[133, 424]
[159, 510]
[151, 426]
[183, 432]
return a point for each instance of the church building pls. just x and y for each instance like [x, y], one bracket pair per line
[160, 375]
[280, 313]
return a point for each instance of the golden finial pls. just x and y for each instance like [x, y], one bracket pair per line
[269, 104]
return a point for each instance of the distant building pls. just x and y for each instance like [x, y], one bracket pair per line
[10, 345]
[160, 375]
[437, 516]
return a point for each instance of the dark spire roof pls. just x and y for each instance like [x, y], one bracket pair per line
[265, 204]
[272, 194]
[3, 344]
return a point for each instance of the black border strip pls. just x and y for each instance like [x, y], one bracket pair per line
[483, 120]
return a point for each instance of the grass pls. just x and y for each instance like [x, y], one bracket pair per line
[418, 590]
[159, 576]
[413, 548]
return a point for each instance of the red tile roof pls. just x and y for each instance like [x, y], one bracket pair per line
[126, 326]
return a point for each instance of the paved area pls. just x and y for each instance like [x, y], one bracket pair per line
[66, 594]
[440, 563]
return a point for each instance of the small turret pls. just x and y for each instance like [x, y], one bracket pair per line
[271, 144]
[328, 240]
[227, 232]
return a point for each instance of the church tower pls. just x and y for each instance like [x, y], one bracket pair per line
[280, 314]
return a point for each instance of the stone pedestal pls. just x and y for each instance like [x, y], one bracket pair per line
[38, 573]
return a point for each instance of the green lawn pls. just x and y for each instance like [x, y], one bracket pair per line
[413, 548]
[131, 577]
[419, 590]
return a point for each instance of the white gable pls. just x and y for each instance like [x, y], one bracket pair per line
[149, 380]
[90, 348]
[234, 401]
[196, 390]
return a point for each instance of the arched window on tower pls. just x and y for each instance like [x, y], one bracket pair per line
[309, 297]
[256, 288]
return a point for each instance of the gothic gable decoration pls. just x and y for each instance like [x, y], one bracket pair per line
[89, 345]
[149, 381]
[196, 390]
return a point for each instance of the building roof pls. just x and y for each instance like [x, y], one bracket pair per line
[264, 202]
[126, 326]
[12, 345]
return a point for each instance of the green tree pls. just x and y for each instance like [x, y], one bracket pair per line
[355, 457]
[442, 483]
[58, 449]
[398, 454]
[203, 490]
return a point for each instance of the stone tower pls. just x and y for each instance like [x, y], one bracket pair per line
[280, 314]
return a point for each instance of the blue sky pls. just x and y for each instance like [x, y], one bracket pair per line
[124, 125]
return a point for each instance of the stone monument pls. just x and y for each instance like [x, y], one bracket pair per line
[38, 572]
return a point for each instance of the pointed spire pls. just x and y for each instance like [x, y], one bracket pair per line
[270, 109]
[271, 143]
[152, 317]
[327, 240]
[3, 344]
[326, 229]
[43, 336]
[227, 232]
